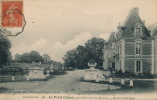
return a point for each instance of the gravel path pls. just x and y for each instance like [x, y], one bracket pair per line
[69, 83]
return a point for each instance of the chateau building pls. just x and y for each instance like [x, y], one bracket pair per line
[133, 48]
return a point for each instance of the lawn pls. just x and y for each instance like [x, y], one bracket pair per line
[140, 87]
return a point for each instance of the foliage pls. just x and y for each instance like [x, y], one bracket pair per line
[148, 75]
[119, 73]
[35, 56]
[70, 58]
[13, 70]
[57, 70]
[30, 57]
[5, 55]
[46, 58]
[128, 74]
[80, 56]
[45, 70]
[95, 48]
[54, 62]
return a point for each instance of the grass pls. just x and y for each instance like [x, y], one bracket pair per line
[140, 87]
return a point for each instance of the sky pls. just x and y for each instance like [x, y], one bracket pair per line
[55, 26]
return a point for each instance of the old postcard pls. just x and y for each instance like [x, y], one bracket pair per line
[78, 50]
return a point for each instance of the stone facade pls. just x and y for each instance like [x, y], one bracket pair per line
[109, 52]
[153, 32]
[134, 48]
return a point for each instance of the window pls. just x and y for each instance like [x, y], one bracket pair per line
[138, 30]
[138, 48]
[138, 66]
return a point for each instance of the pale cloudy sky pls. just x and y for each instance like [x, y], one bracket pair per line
[56, 26]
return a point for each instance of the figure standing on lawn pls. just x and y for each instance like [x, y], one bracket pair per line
[131, 82]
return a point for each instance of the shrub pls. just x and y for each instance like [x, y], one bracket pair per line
[149, 75]
[127, 74]
[119, 73]
[45, 71]
[25, 71]
[14, 71]
[58, 72]
[145, 74]
[139, 75]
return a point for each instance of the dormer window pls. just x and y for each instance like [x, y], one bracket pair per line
[113, 45]
[138, 30]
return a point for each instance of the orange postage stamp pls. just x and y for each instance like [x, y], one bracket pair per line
[12, 14]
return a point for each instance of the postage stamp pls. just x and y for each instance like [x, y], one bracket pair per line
[12, 13]
[12, 18]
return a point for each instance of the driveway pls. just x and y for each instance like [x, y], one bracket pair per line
[72, 82]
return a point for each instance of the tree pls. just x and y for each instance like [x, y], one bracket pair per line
[30, 57]
[35, 56]
[94, 51]
[24, 58]
[17, 57]
[79, 57]
[70, 58]
[46, 58]
[54, 62]
[5, 45]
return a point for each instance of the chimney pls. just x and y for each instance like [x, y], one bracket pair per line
[134, 11]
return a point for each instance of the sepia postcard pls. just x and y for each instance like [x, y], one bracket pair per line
[78, 49]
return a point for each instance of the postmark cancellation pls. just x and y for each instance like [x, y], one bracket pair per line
[12, 17]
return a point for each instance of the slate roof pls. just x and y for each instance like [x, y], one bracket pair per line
[111, 39]
[133, 19]
[153, 30]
